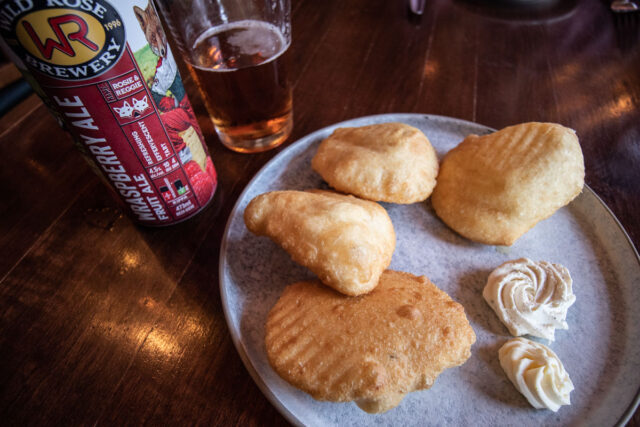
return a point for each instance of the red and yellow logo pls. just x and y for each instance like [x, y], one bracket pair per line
[75, 41]
[61, 36]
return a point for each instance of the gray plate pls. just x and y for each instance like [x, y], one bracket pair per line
[601, 350]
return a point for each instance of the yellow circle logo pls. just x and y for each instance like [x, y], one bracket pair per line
[62, 37]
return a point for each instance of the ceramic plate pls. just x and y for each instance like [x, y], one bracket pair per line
[600, 351]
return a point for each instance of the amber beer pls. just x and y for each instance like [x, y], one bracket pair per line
[241, 71]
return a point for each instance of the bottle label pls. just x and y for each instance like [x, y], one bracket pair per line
[106, 72]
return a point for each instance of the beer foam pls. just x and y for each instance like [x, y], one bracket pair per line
[247, 42]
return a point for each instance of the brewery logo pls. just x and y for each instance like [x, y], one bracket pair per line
[64, 39]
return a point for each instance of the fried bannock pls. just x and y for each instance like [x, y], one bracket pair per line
[389, 162]
[373, 349]
[492, 189]
[345, 241]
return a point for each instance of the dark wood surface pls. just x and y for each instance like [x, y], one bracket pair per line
[103, 321]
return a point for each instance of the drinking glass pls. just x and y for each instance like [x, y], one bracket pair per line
[237, 52]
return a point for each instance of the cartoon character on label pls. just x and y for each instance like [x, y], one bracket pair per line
[175, 110]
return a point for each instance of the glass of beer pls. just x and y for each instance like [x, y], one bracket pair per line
[236, 51]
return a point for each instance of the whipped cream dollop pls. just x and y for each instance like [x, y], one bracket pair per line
[537, 373]
[530, 297]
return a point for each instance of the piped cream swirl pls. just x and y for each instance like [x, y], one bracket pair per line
[537, 373]
[530, 297]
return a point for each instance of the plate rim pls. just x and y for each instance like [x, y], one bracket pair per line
[235, 337]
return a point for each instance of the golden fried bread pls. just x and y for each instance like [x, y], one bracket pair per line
[493, 188]
[374, 348]
[389, 162]
[345, 241]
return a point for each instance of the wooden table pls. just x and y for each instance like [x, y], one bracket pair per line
[103, 321]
